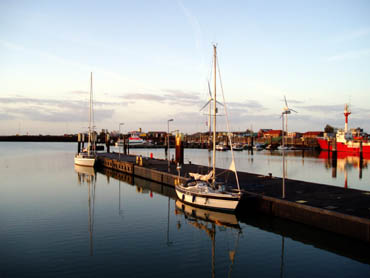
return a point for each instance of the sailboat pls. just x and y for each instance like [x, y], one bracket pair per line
[88, 157]
[203, 190]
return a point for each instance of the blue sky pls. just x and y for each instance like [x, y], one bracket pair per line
[151, 61]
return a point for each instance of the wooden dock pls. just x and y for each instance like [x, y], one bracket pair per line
[339, 210]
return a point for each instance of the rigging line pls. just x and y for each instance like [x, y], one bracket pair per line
[228, 125]
[211, 69]
[92, 106]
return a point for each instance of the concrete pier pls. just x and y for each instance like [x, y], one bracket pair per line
[334, 209]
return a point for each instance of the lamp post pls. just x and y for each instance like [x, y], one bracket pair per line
[168, 141]
[283, 144]
[119, 137]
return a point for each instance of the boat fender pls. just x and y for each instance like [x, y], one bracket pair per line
[206, 201]
[183, 197]
[193, 198]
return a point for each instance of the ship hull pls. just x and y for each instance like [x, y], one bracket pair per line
[350, 146]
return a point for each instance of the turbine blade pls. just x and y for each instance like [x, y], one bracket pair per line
[286, 103]
[293, 110]
[219, 103]
[209, 90]
[205, 105]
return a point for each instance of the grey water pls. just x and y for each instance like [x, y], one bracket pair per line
[60, 221]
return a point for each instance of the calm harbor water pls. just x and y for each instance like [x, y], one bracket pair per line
[60, 221]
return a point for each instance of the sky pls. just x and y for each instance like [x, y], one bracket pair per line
[152, 60]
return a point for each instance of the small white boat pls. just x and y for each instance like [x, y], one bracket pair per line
[238, 147]
[88, 157]
[284, 148]
[221, 147]
[135, 140]
[258, 147]
[84, 159]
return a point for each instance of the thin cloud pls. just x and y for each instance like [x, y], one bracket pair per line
[61, 103]
[174, 96]
[133, 97]
[196, 28]
[170, 96]
[34, 113]
[323, 108]
[249, 104]
[78, 92]
[5, 116]
[353, 35]
[350, 55]
[291, 101]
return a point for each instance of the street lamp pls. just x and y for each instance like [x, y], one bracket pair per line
[168, 140]
[119, 137]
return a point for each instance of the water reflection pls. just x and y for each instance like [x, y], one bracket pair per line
[87, 175]
[207, 221]
[286, 229]
[345, 163]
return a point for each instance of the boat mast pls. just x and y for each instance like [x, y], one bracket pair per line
[89, 144]
[209, 120]
[214, 114]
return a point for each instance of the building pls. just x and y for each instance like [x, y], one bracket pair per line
[313, 134]
[272, 134]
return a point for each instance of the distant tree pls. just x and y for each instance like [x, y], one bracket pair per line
[329, 129]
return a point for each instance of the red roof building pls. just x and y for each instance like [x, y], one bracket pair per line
[272, 134]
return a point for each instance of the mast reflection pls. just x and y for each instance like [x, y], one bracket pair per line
[207, 221]
[87, 175]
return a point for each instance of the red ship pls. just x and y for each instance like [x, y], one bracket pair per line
[345, 142]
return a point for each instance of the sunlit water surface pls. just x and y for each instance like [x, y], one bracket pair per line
[57, 221]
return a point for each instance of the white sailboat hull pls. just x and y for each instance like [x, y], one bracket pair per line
[85, 160]
[219, 201]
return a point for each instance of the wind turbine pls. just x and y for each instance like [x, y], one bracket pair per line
[209, 113]
[286, 111]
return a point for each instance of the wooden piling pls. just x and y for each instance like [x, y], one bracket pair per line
[179, 150]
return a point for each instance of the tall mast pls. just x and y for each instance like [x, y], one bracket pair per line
[209, 120]
[214, 114]
[89, 144]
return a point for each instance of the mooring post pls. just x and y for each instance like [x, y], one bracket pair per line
[361, 161]
[334, 152]
[124, 145]
[252, 144]
[107, 139]
[82, 141]
[179, 150]
[334, 169]
[79, 143]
